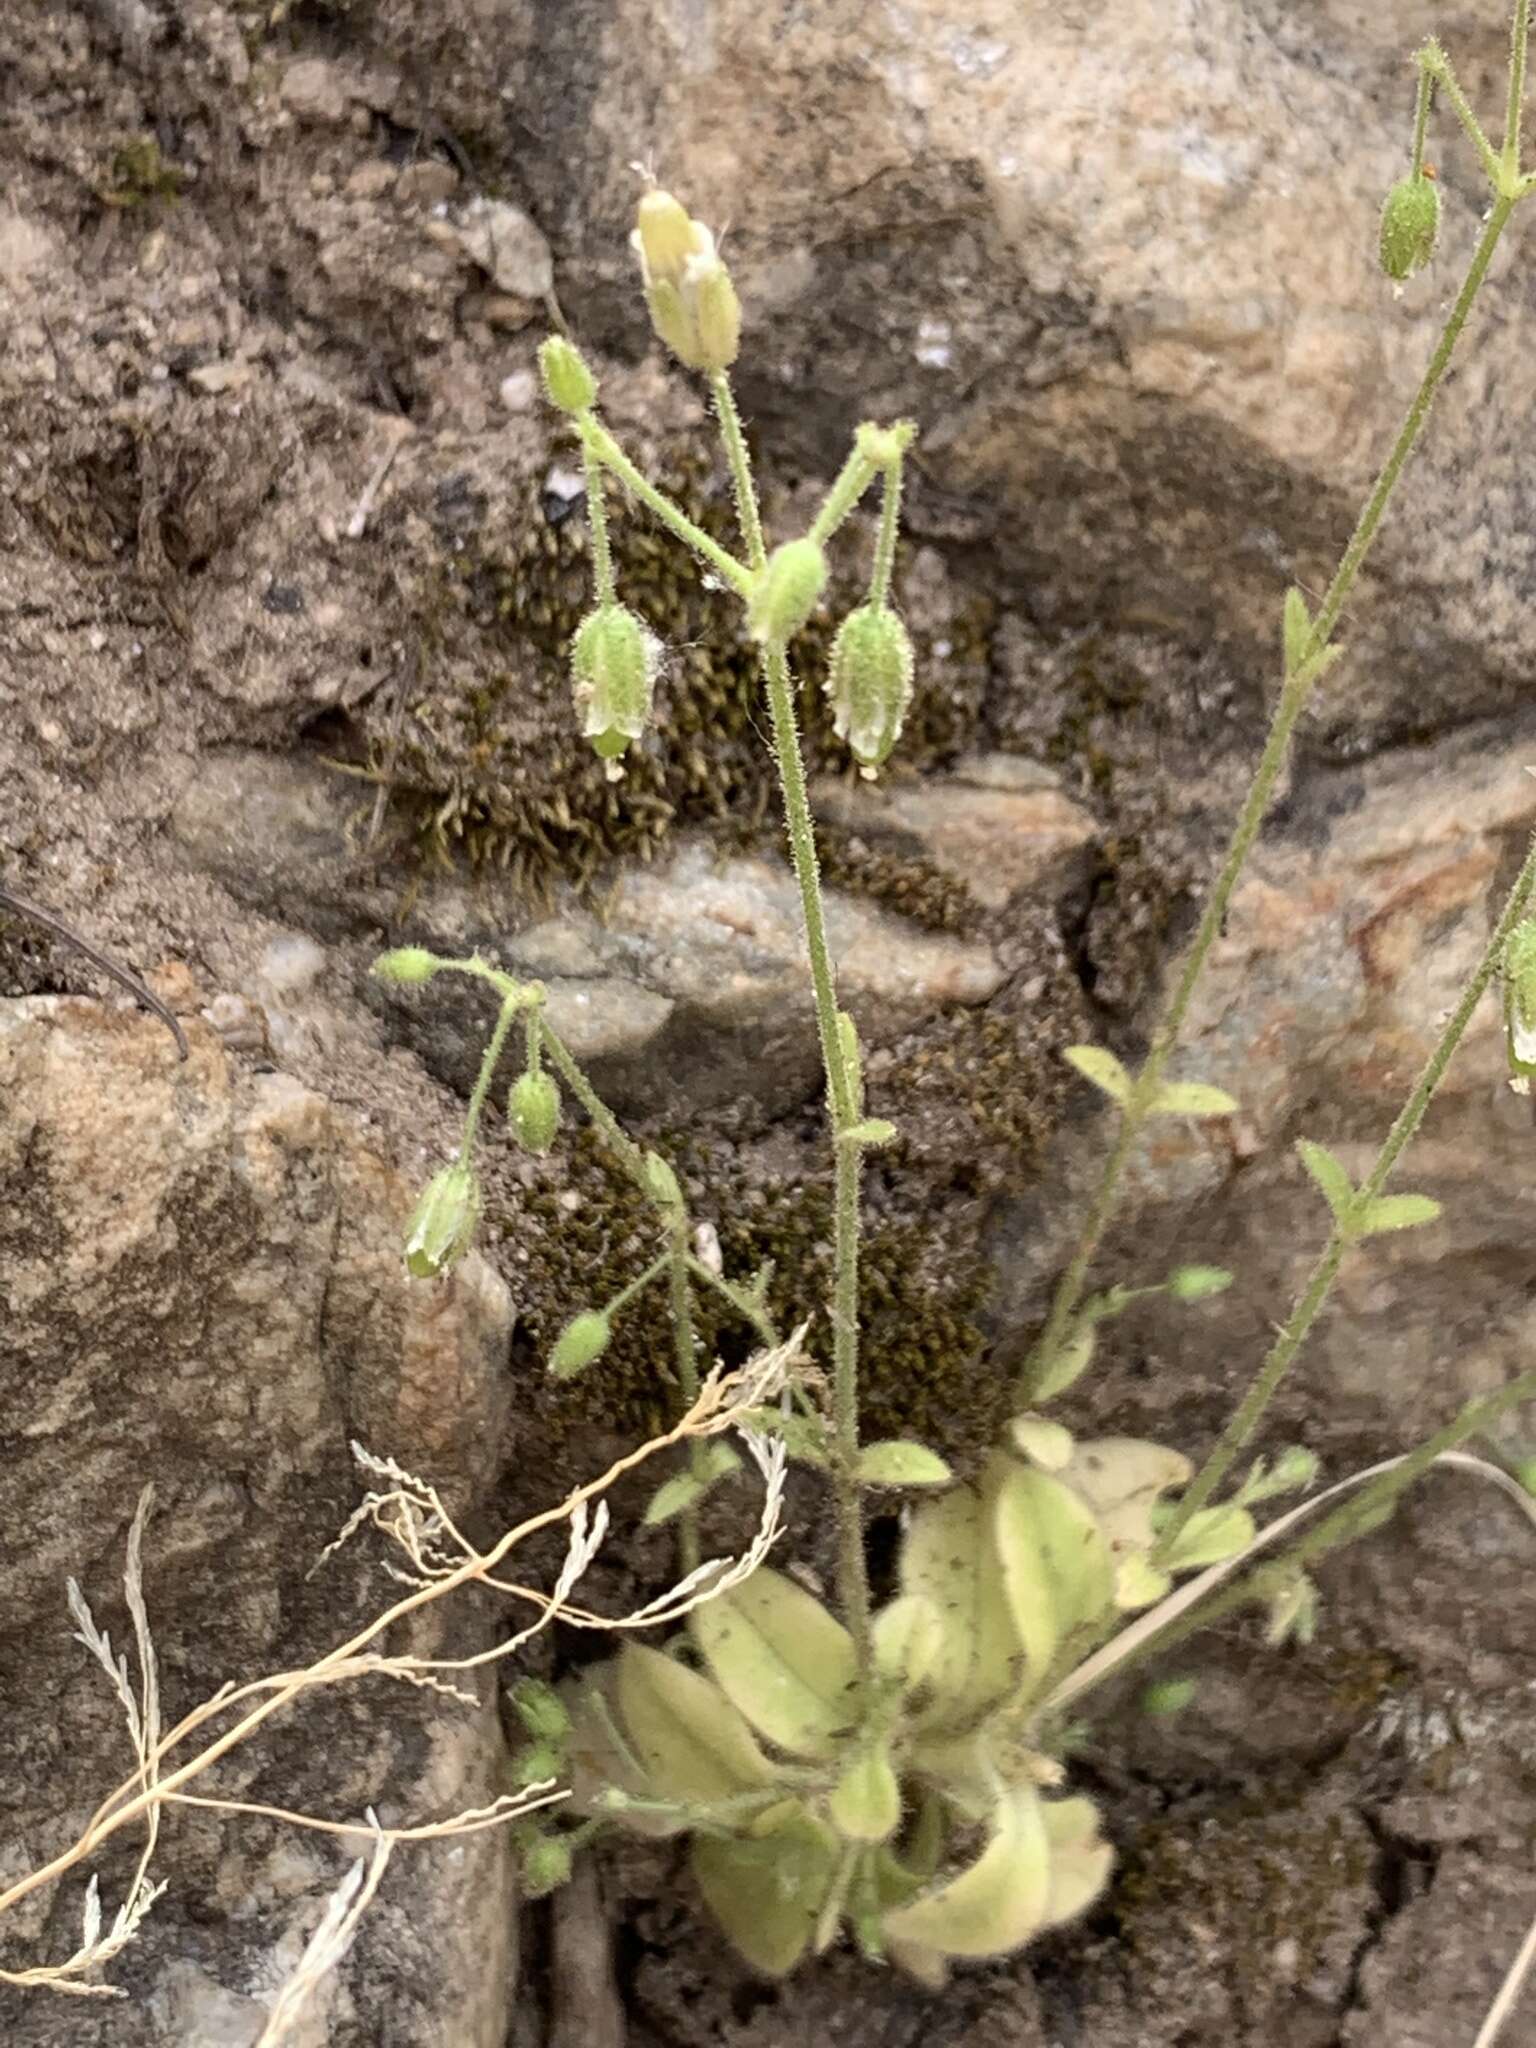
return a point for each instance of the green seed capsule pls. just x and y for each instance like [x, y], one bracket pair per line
[1410, 226]
[787, 590]
[410, 965]
[442, 1224]
[869, 682]
[585, 1338]
[568, 384]
[533, 1111]
[614, 662]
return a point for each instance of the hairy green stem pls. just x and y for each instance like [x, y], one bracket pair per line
[488, 1062]
[1432, 58]
[1413, 425]
[597, 527]
[852, 481]
[1422, 100]
[630, 1155]
[1293, 698]
[1519, 40]
[885, 545]
[853, 1578]
[1342, 1526]
[607, 451]
[735, 444]
[1293, 1334]
[680, 1296]
[638, 1285]
[750, 1311]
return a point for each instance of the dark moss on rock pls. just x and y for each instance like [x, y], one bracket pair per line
[484, 754]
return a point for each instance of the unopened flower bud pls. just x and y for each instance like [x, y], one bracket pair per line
[614, 660]
[410, 965]
[546, 1865]
[716, 312]
[442, 1224]
[665, 236]
[662, 1182]
[533, 1111]
[869, 682]
[787, 589]
[1520, 998]
[1410, 225]
[585, 1338]
[541, 1710]
[693, 303]
[568, 384]
[884, 446]
[1198, 1283]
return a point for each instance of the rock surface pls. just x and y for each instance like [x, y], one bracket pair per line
[204, 1292]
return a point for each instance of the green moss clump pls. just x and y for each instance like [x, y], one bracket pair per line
[581, 1233]
[586, 1231]
[137, 174]
[905, 884]
[485, 755]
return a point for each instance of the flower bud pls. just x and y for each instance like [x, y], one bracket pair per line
[1198, 1283]
[869, 682]
[541, 1710]
[614, 660]
[1520, 998]
[536, 1764]
[585, 1338]
[884, 446]
[693, 303]
[442, 1224]
[1410, 224]
[661, 1182]
[568, 384]
[410, 965]
[786, 590]
[716, 312]
[546, 1865]
[533, 1111]
[665, 236]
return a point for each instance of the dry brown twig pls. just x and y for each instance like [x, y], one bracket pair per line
[440, 1560]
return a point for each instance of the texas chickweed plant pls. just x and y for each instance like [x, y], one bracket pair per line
[898, 1771]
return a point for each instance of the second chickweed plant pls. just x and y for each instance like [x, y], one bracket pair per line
[898, 1770]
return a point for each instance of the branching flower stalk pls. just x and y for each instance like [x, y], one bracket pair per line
[1310, 654]
[680, 269]
[1347, 1228]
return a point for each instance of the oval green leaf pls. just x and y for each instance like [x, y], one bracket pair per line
[1192, 1098]
[1098, 1065]
[994, 1905]
[950, 1558]
[694, 1746]
[896, 1463]
[767, 1894]
[782, 1660]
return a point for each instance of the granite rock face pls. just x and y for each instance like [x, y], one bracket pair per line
[204, 1292]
